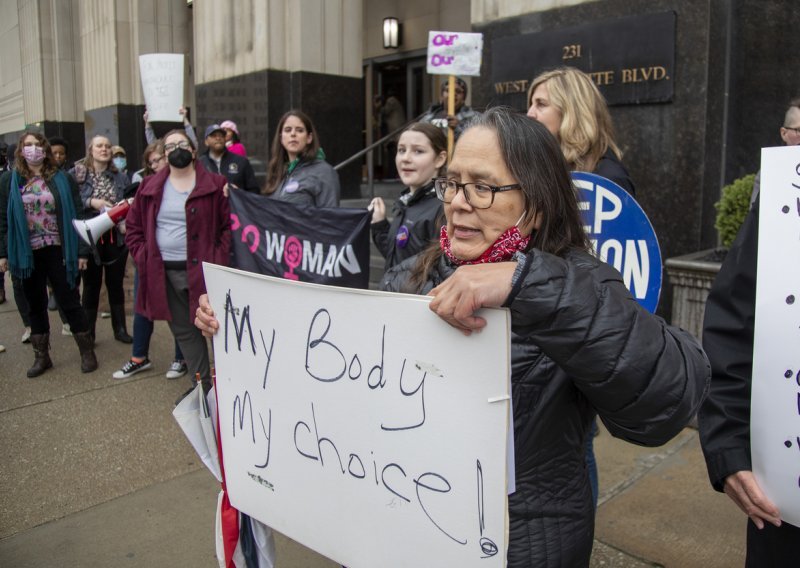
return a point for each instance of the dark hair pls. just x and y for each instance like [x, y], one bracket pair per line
[180, 131]
[279, 158]
[534, 159]
[49, 167]
[459, 83]
[435, 136]
[56, 141]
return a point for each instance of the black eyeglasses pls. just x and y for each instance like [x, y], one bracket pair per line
[478, 195]
[794, 129]
[182, 145]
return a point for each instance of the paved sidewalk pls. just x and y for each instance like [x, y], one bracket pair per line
[97, 473]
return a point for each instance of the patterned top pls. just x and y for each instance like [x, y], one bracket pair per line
[103, 187]
[40, 211]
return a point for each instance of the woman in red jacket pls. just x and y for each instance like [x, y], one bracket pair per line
[179, 219]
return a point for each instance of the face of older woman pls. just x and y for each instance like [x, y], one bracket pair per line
[543, 110]
[477, 158]
[101, 149]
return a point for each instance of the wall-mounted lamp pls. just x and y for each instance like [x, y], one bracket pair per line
[391, 33]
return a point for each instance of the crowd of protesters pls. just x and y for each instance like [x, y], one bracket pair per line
[499, 225]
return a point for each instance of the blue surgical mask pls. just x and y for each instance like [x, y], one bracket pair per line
[120, 163]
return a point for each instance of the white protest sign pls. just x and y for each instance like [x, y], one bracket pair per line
[775, 410]
[360, 424]
[454, 53]
[162, 85]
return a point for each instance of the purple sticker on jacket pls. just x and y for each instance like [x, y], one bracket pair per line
[401, 239]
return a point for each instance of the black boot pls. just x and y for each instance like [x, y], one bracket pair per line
[118, 324]
[41, 352]
[85, 343]
[91, 321]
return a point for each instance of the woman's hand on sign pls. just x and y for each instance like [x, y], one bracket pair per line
[204, 318]
[378, 208]
[470, 288]
[744, 490]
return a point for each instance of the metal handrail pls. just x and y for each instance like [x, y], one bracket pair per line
[375, 144]
[370, 166]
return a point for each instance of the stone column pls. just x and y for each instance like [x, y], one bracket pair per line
[41, 84]
[256, 60]
[113, 35]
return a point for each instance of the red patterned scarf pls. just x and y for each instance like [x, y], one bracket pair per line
[502, 250]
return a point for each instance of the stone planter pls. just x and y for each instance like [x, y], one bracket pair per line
[691, 276]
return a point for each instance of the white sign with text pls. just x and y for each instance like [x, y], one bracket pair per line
[162, 85]
[360, 424]
[454, 53]
[775, 410]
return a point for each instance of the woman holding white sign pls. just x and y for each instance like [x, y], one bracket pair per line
[580, 343]
[568, 104]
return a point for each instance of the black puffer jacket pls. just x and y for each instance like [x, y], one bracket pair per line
[414, 226]
[580, 345]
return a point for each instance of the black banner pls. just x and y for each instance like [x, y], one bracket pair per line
[321, 245]
[631, 60]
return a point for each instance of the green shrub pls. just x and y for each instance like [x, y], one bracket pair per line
[732, 208]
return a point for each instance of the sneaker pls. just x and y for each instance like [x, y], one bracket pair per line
[131, 368]
[177, 370]
[51, 303]
[65, 330]
[105, 315]
[26, 337]
[2, 348]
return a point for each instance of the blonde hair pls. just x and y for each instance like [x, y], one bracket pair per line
[586, 132]
[88, 161]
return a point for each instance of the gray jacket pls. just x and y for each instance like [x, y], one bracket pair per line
[580, 346]
[313, 183]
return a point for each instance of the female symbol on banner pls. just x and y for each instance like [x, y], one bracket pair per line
[292, 256]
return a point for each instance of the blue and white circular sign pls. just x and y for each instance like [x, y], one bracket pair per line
[621, 235]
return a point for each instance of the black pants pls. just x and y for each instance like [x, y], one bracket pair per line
[773, 547]
[48, 264]
[114, 275]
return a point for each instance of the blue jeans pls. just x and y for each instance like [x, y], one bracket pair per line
[143, 329]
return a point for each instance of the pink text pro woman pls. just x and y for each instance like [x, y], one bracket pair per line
[179, 219]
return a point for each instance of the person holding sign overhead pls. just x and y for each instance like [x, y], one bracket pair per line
[421, 155]
[179, 219]
[568, 103]
[437, 114]
[580, 344]
[297, 171]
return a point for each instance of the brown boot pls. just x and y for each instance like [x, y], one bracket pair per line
[85, 343]
[41, 352]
